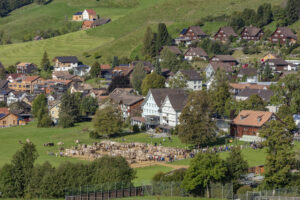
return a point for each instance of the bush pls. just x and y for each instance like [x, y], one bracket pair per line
[94, 135]
[135, 128]
[143, 127]
[241, 192]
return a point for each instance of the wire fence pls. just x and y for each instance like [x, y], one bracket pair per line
[168, 189]
[276, 194]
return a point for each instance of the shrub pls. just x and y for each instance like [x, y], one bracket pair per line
[94, 135]
[135, 128]
[143, 127]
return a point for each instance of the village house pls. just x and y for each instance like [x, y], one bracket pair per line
[9, 119]
[171, 109]
[77, 17]
[63, 75]
[129, 103]
[122, 70]
[224, 59]
[248, 74]
[26, 68]
[192, 77]
[252, 33]
[190, 34]
[194, 53]
[89, 15]
[106, 71]
[224, 34]
[4, 94]
[236, 88]
[246, 93]
[29, 99]
[152, 105]
[65, 63]
[283, 35]
[148, 66]
[268, 57]
[3, 84]
[52, 86]
[173, 49]
[99, 93]
[212, 68]
[93, 24]
[277, 64]
[247, 124]
[25, 83]
[15, 96]
[13, 77]
[82, 70]
[54, 107]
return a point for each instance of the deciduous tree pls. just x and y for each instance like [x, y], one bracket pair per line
[95, 70]
[152, 80]
[138, 76]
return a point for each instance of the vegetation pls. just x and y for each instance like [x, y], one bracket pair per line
[95, 70]
[108, 121]
[69, 110]
[138, 76]
[119, 82]
[196, 126]
[152, 80]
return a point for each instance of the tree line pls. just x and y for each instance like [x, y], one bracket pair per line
[23, 179]
[6, 6]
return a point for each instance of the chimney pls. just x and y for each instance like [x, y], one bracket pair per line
[258, 118]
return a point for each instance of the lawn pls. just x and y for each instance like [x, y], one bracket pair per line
[144, 175]
[120, 37]
[10, 138]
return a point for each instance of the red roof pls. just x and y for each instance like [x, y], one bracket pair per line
[105, 67]
[252, 118]
[31, 78]
[4, 110]
[91, 12]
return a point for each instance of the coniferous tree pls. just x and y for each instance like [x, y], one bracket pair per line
[69, 110]
[45, 63]
[38, 103]
[115, 62]
[157, 66]
[163, 37]
[147, 43]
[291, 10]
[2, 73]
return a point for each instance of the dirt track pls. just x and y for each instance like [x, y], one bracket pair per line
[153, 163]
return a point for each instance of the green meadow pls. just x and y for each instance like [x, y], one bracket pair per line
[121, 37]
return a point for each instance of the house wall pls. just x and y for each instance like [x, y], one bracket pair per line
[194, 85]
[54, 113]
[278, 36]
[239, 131]
[85, 15]
[77, 18]
[64, 66]
[245, 36]
[135, 108]
[150, 107]
[10, 120]
[169, 116]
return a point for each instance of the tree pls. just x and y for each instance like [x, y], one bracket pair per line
[44, 120]
[89, 105]
[69, 110]
[236, 166]
[15, 177]
[11, 69]
[95, 70]
[115, 62]
[264, 15]
[267, 74]
[152, 80]
[163, 37]
[178, 81]
[205, 169]
[291, 10]
[280, 157]
[38, 103]
[255, 102]
[45, 63]
[157, 66]
[138, 76]
[108, 121]
[169, 60]
[196, 126]
[147, 43]
[287, 92]
[119, 82]
[219, 92]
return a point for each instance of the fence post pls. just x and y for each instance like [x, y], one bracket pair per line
[80, 194]
[87, 192]
[171, 188]
[223, 192]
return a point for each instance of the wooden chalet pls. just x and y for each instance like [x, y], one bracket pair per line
[283, 35]
[224, 33]
[252, 33]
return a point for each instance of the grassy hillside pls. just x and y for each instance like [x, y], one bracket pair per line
[120, 37]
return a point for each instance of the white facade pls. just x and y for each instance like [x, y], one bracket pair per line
[85, 15]
[190, 84]
[12, 98]
[250, 79]
[150, 107]
[82, 70]
[65, 67]
[169, 116]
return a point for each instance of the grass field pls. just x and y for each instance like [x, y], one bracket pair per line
[166, 198]
[120, 37]
[145, 174]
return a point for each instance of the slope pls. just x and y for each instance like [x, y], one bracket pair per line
[124, 34]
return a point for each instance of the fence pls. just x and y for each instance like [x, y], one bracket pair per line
[277, 194]
[171, 189]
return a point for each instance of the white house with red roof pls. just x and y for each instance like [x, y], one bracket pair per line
[89, 15]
